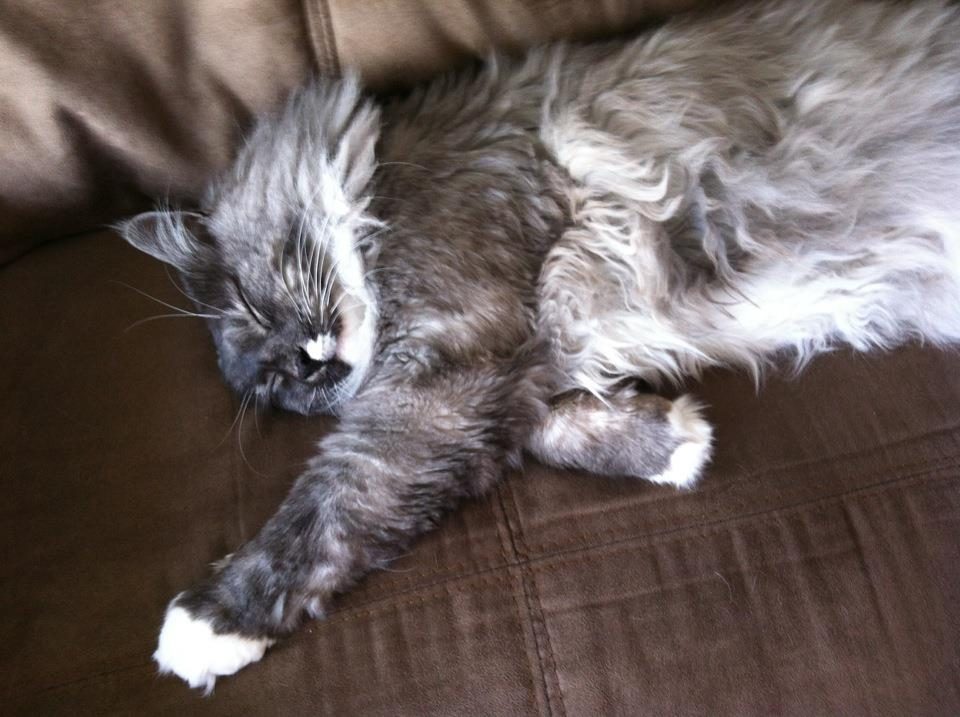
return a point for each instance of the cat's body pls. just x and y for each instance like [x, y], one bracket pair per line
[483, 268]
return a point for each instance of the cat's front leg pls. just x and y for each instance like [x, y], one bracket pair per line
[629, 433]
[404, 453]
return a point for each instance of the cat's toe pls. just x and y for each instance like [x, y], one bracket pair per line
[189, 648]
[695, 438]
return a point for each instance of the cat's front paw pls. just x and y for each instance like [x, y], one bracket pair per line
[191, 648]
[694, 437]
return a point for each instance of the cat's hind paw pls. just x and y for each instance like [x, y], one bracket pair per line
[695, 439]
[189, 648]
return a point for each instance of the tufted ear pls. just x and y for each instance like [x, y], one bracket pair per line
[171, 236]
[355, 152]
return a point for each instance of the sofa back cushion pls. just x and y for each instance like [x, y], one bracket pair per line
[107, 107]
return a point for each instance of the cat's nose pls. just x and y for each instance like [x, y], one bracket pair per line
[307, 365]
[315, 354]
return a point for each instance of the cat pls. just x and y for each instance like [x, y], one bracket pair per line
[506, 258]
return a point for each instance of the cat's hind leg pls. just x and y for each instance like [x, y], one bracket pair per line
[628, 433]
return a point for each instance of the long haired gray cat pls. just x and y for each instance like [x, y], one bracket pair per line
[494, 262]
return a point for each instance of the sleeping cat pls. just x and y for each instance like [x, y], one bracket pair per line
[501, 259]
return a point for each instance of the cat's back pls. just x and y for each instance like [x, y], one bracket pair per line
[748, 69]
[740, 73]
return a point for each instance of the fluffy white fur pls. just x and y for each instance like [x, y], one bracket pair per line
[817, 160]
[321, 348]
[690, 458]
[189, 648]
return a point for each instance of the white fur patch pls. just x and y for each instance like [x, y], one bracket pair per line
[321, 348]
[189, 648]
[688, 460]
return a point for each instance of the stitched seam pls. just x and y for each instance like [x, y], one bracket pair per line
[442, 591]
[551, 563]
[585, 552]
[326, 24]
[583, 539]
[85, 678]
[811, 462]
[511, 561]
[807, 464]
[534, 606]
[335, 618]
[548, 564]
[322, 39]
[570, 554]
[586, 539]
[516, 563]
[475, 567]
[314, 40]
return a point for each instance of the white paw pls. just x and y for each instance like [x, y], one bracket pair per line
[689, 458]
[189, 648]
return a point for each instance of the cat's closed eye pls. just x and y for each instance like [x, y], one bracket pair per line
[257, 316]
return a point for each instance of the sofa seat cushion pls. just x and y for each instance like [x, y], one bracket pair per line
[816, 569]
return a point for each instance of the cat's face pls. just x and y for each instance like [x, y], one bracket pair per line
[278, 258]
[293, 319]
[296, 331]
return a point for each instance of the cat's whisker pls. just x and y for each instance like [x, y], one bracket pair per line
[322, 240]
[318, 254]
[147, 320]
[286, 283]
[402, 200]
[317, 272]
[272, 386]
[325, 298]
[332, 396]
[234, 422]
[299, 246]
[186, 295]
[295, 304]
[334, 310]
[243, 455]
[301, 280]
[381, 230]
[379, 270]
[178, 309]
[403, 164]
[306, 206]
[256, 411]
[310, 255]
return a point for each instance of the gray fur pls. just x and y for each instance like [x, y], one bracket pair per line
[480, 265]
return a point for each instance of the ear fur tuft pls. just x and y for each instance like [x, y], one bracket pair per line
[167, 235]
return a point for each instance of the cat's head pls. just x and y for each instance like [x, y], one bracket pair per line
[279, 255]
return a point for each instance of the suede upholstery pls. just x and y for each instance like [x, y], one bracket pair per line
[815, 570]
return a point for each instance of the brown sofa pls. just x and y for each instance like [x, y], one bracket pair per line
[816, 570]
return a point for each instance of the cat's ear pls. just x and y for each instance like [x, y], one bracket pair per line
[355, 152]
[173, 237]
